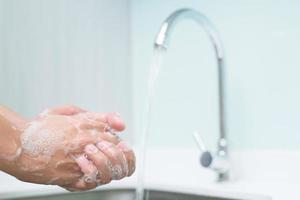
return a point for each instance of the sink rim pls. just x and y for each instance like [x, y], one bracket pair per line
[156, 188]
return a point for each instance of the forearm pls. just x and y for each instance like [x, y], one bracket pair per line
[14, 119]
[11, 125]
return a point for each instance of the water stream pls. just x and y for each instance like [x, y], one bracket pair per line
[152, 81]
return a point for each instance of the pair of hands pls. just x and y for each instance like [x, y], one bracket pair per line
[72, 148]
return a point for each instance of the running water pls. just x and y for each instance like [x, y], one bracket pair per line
[153, 74]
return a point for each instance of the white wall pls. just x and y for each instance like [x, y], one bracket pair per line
[65, 52]
[261, 40]
[62, 51]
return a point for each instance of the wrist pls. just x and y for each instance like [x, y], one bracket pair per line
[11, 126]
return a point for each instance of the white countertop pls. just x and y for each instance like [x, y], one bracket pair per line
[256, 175]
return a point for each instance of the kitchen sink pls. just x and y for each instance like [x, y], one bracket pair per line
[128, 194]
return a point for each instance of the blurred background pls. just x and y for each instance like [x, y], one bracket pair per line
[96, 54]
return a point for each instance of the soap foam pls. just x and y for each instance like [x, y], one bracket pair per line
[94, 132]
[18, 153]
[12, 157]
[117, 172]
[92, 177]
[37, 140]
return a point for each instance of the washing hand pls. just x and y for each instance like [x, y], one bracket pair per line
[69, 147]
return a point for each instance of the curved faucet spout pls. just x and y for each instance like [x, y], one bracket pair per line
[162, 41]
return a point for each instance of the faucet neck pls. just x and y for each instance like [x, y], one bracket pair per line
[162, 41]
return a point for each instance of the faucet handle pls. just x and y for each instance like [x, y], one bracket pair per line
[217, 162]
[206, 158]
[200, 142]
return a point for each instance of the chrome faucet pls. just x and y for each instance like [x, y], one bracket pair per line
[218, 162]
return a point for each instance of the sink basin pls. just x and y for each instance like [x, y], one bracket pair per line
[127, 194]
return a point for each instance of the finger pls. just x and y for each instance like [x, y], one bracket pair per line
[87, 167]
[130, 157]
[100, 131]
[119, 167]
[92, 124]
[112, 119]
[80, 185]
[65, 110]
[107, 136]
[91, 120]
[101, 162]
[115, 121]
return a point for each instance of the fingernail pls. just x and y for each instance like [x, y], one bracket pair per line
[104, 145]
[117, 173]
[90, 148]
[124, 146]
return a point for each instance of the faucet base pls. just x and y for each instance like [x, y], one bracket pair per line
[223, 177]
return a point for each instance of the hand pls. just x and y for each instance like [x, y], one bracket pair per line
[72, 148]
[107, 158]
